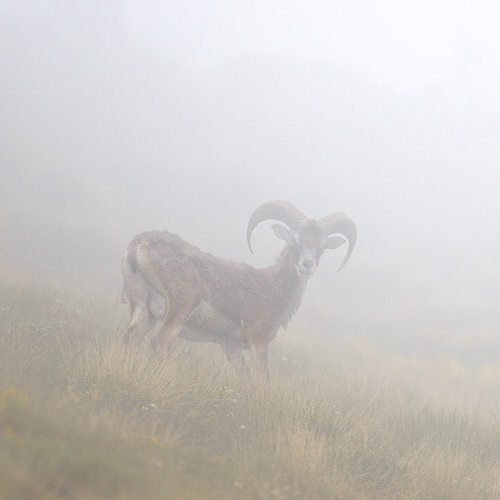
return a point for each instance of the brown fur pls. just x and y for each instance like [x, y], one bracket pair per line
[200, 297]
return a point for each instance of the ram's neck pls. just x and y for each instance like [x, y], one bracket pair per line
[288, 285]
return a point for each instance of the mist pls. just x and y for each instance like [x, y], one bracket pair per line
[128, 116]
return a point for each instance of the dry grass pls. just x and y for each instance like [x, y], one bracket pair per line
[79, 420]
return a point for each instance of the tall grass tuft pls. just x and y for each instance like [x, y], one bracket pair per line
[79, 419]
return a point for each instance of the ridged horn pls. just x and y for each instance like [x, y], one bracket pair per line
[280, 210]
[340, 223]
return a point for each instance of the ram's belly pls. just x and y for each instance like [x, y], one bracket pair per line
[207, 324]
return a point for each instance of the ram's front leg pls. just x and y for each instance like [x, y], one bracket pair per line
[234, 355]
[258, 352]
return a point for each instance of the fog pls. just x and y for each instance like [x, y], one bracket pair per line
[126, 116]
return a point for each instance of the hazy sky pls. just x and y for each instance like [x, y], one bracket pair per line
[407, 46]
[122, 116]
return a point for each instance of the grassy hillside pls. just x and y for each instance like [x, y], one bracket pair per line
[79, 421]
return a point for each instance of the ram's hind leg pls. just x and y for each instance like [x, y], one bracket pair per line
[138, 294]
[141, 322]
[174, 321]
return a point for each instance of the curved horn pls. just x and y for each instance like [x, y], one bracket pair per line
[279, 210]
[340, 223]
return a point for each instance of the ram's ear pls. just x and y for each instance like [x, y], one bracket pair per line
[281, 232]
[333, 242]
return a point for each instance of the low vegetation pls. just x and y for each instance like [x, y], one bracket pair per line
[79, 420]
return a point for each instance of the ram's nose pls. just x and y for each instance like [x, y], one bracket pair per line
[306, 267]
[308, 264]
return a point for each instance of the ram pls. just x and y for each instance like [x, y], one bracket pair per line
[199, 297]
